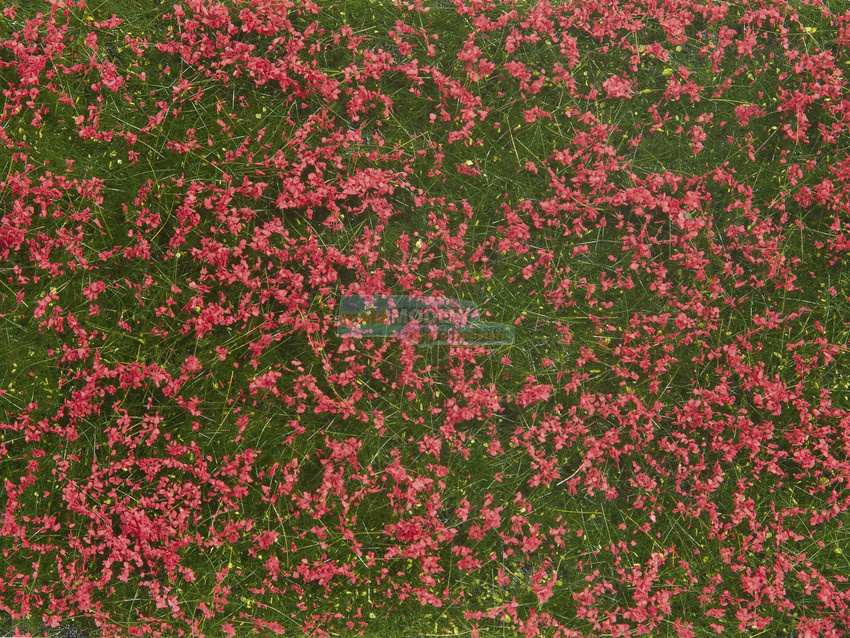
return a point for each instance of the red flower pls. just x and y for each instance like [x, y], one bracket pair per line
[616, 86]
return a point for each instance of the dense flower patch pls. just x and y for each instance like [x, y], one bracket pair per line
[656, 194]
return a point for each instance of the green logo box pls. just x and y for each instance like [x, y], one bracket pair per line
[421, 320]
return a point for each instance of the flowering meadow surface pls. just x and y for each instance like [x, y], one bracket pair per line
[653, 194]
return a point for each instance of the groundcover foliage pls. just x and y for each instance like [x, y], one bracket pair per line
[656, 194]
